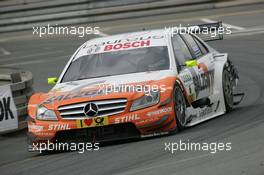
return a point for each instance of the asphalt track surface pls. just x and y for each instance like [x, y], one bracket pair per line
[243, 127]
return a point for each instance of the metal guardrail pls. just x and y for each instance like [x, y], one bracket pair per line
[88, 13]
[24, 14]
[87, 4]
[67, 12]
[20, 82]
[5, 3]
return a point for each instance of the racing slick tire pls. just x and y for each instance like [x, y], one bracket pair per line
[179, 107]
[228, 87]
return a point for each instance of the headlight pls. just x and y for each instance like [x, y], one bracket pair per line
[146, 101]
[45, 114]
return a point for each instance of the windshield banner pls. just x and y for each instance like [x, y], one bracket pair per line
[118, 44]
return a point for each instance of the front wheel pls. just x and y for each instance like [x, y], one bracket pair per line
[179, 107]
[228, 89]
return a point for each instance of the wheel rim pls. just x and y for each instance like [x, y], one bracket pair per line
[228, 89]
[180, 106]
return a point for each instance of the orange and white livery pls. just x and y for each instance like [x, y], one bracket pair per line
[134, 85]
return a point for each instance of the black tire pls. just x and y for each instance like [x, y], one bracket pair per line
[228, 88]
[179, 107]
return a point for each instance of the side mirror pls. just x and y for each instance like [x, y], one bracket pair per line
[191, 63]
[52, 80]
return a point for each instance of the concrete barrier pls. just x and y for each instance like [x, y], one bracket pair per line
[20, 82]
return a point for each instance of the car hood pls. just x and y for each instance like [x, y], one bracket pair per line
[99, 88]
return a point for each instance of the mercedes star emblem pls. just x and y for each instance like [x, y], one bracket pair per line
[90, 110]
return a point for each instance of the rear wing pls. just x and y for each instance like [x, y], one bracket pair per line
[209, 31]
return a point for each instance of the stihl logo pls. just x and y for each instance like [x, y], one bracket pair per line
[5, 111]
[127, 118]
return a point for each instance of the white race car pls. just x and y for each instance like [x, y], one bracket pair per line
[180, 81]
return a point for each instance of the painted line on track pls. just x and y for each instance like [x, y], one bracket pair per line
[31, 55]
[102, 34]
[4, 51]
[224, 24]
[141, 170]
[249, 32]
[37, 61]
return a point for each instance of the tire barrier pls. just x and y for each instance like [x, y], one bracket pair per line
[19, 82]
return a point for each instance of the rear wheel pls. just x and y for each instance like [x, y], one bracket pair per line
[179, 107]
[228, 88]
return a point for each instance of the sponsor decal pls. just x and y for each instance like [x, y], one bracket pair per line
[93, 49]
[148, 120]
[55, 127]
[85, 90]
[129, 42]
[205, 111]
[103, 89]
[34, 127]
[206, 79]
[8, 111]
[126, 40]
[71, 95]
[186, 78]
[203, 80]
[160, 111]
[127, 118]
[154, 134]
[136, 44]
[120, 43]
[92, 122]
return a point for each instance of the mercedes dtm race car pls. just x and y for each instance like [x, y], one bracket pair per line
[134, 85]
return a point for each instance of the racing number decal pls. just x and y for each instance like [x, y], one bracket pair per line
[94, 122]
[203, 79]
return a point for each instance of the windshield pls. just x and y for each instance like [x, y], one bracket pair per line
[118, 62]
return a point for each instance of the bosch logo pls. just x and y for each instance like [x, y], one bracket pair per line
[90, 110]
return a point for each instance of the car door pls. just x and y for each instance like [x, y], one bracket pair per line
[198, 78]
[206, 65]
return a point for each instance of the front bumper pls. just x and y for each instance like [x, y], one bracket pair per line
[147, 122]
